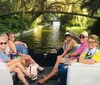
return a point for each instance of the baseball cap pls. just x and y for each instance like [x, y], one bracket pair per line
[67, 33]
[84, 33]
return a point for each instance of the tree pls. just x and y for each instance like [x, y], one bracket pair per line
[32, 9]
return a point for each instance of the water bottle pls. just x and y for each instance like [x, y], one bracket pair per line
[17, 56]
[13, 55]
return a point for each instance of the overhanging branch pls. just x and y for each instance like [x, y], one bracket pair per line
[35, 12]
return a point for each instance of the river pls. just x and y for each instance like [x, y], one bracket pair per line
[44, 37]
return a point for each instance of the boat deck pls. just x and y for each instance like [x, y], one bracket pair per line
[47, 70]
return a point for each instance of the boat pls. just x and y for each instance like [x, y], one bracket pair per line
[46, 57]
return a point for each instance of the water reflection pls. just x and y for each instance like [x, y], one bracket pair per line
[56, 24]
[45, 37]
[37, 34]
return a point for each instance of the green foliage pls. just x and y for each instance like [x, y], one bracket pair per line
[92, 5]
[94, 28]
[22, 21]
[76, 29]
[47, 18]
[15, 23]
[34, 24]
[75, 22]
[65, 19]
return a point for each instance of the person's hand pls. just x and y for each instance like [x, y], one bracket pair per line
[18, 53]
[59, 56]
[68, 56]
[66, 66]
[69, 63]
[72, 61]
[25, 45]
[15, 59]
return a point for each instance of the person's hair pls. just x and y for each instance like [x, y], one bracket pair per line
[95, 37]
[11, 33]
[7, 33]
[2, 34]
[2, 37]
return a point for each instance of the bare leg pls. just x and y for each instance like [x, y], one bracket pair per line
[54, 71]
[19, 65]
[21, 76]
[27, 57]
[12, 62]
[16, 60]
[23, 62]
[30, 60]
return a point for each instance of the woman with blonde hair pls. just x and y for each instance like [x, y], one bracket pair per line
[26, 57]
[13, 65]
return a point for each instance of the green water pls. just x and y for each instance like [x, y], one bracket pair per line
[45, 37]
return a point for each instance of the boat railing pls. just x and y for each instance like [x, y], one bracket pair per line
[45, 56]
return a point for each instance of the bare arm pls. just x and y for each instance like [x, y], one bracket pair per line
[73, 54]
[19, 42]
[70, 46]
[64, 44]
[12, 46]
[84, 61]
[87, 61]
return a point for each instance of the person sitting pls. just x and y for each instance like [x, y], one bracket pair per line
[90, 55]
[13, 65]
[25, 57]
[63, 59]
[21, 47]
[69, 44]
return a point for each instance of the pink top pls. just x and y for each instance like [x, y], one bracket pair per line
[80, 50]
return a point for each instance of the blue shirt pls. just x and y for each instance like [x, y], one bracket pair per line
[4, 57]
[21, 49]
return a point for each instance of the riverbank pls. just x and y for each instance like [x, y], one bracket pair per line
[28, 31]
[76, 29]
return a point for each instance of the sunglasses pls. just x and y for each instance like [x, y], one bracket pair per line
[82, 37]
[12, 36]
[67, 35]
[3, 43]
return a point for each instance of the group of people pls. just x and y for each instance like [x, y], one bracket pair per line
[87, 53]
[8, 48]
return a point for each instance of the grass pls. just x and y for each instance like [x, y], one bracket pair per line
[76, 29]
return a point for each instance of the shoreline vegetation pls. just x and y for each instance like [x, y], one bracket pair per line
[28, 31]
[75, 30]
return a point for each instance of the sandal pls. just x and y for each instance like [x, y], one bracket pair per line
[34, 77]
[42, 81]
[29, 77]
